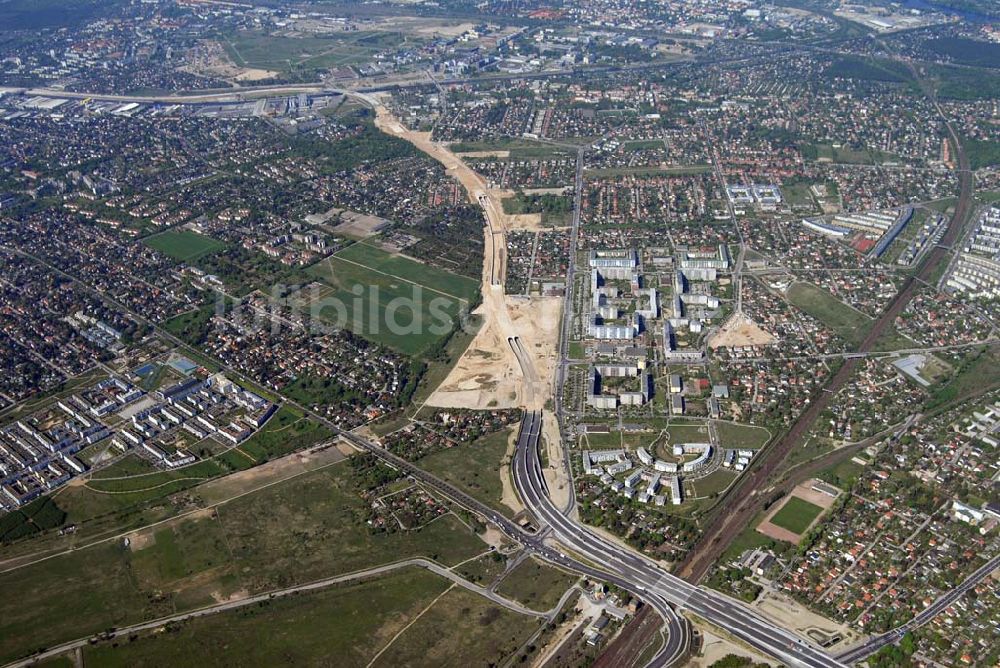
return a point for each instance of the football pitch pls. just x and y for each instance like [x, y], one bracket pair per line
[796, 515]
[184, 245]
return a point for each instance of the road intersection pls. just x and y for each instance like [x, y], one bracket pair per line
[655, 585]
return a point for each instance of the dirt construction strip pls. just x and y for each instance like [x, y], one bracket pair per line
[490, 374]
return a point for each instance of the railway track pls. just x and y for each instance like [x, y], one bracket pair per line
[744, 500]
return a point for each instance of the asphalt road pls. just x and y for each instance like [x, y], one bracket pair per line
[874, 644]
[657, 587]
[744, 500]
[530, 484]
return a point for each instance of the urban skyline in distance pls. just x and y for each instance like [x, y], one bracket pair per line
[454, 333]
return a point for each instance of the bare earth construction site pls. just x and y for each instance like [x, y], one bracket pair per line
[482, 334]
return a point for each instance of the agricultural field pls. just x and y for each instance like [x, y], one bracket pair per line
[391, 300]
[184, 245]
[412, 271]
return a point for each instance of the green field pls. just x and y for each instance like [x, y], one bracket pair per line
[412, 271]
[841, 154]
[742, 436]
[748, 539]
[483, 570]
[681, 170]
[520, 149]
[474, 468]
[287, 430]
[982, 153]
[314, 528]
[273, 52]
[298, 531]
[714, 483]
[848, 323]
[129, 465]
[841, 474]
[980, 369]
[343, 625]
[536, 585]
[409, 311]
[460, 629]
[184, 245]
[691, 432]
[796, 515]
[135, 485]
[643, 144]
[191, 326]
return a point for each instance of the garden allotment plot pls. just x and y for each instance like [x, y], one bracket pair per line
[423, 300]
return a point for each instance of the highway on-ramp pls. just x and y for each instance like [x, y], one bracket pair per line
[656, 586]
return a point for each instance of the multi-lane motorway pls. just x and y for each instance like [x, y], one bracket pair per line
[656, 586]
[625, 569]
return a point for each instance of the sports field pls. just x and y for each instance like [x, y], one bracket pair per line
[184, 245]
[796, 515]
[389, 299]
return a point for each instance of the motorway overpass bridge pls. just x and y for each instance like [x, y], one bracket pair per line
[656, 586]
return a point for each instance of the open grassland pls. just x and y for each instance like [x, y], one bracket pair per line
[184, 245]
[316, 527]
[474, 468]
[399, 310]
[343, 625]
[410, 270]
[293, 532]
[687, 432]
[536, 585]
[460, 629]
[65, 598]
[129, 482]
[483, 570]
[278, 53]
[848, 323]
[796, 515]
[714, 483]
[742, 436]
[129, 465]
